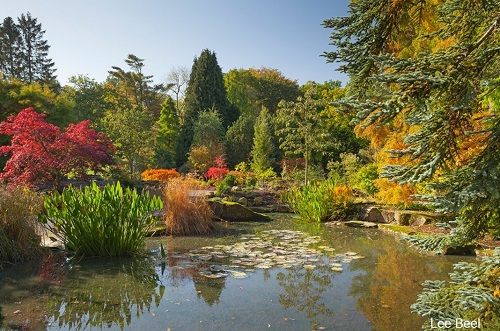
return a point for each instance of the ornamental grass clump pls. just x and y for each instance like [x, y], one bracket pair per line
[94, 221]
[319, 201]
[186, 213]
[19, 240]
[312, 201]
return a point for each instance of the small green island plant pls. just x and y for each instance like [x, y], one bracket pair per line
[95, 221]
[319, 201]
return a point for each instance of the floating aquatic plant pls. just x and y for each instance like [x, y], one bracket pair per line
[268, 249]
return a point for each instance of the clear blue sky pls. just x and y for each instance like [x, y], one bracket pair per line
[88, 37]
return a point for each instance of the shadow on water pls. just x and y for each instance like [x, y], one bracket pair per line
[173, 291]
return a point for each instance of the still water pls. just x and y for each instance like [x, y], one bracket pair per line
[282, 275]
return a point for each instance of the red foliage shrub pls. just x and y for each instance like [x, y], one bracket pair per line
[216, 173]
[40, 153]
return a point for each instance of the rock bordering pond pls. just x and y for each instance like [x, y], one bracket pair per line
[235, 212]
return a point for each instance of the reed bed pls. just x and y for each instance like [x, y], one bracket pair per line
[18, 222]
[186, 214]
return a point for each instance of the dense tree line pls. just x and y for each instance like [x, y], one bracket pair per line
[195, 117]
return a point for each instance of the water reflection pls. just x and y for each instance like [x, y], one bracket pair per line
[105, 292]
[304, 289]
[283, 284]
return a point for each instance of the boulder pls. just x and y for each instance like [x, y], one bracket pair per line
[388, 216]
[258, 201]
[359, 224]
[402, 218]
[235, 212]
[409, 218]
[373, 215]
[417, 220]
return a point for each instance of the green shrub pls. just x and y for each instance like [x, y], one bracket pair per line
[18, 220]
[94, 221]
[313, 202]
[251, 182]
[221, 188]
[230, 180]
[365, 178]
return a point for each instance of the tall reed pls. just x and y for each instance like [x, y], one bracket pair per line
[186, 214]
[94, 221]
[19, 208]
[319, 201]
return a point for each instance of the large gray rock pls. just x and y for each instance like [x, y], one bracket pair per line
[372, 214]
[409, 218]
[234, 212]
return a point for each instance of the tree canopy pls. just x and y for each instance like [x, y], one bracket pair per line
[433, 75]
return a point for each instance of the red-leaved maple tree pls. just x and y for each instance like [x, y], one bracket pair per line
[219, 171]
[41, 153]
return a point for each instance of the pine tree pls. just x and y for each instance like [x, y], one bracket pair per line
[441, 92]
[35, 64]
[167, 128]
[263, 148]
[205, 91]
[10, 49]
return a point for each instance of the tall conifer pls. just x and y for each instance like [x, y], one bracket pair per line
[205, 91]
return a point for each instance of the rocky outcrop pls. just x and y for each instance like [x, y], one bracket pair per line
[235, 212]
[378, 214]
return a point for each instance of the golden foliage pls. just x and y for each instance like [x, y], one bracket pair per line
[343, 196]
[161, 175]
[393, 193]
[186, 214]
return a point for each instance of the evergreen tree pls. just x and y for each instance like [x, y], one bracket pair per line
[263, 148]
[167, 128]
[10, 49]
[35, 64]
[205, 91]
[239, 140]
[138, 86]
[442, 92]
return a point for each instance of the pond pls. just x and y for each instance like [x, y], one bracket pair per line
[282, 275]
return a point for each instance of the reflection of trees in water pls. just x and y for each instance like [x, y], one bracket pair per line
[103, 292]
[182, 267]
[209, 289]
[390, 283]
[303, 290]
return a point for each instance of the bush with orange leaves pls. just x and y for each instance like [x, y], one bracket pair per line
[161, 175]
[343, 196]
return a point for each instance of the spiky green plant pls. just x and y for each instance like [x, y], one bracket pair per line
[94, 221]
[313, 202]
